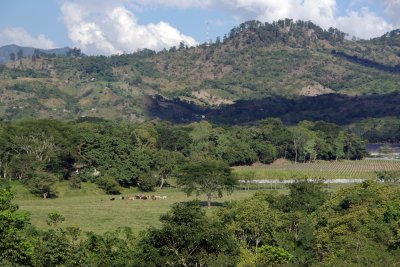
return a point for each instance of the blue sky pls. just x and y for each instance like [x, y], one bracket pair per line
[111, 27]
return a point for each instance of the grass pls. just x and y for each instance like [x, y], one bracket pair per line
[92, 210]
[360, 169]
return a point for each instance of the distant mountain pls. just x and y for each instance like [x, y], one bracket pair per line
[292, 70]
[7, 50]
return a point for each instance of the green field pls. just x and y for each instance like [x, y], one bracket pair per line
[359, 169]
[92, 210]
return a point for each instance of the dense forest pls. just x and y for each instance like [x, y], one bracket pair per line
[41, 152]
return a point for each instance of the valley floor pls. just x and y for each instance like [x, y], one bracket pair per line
[92, 210]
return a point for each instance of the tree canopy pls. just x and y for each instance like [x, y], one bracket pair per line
[206, 176]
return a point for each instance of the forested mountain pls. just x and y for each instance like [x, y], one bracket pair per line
[281, 69]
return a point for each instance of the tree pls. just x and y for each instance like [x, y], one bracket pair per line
[74, 52]
[109, 185]
[6, 152]
[20, 54]
[54, 219]
[300, 136]
[306, 196]
[15, 249]
[182, 45]
[173, 138]
[339, 146]
[354, 147]
[272, 256]
[12, 56]
[353, 227]
[266, 152]
[253, 222]
[206, 176]
[188, 237]
[147, 181]
[42, 183]
[166, 162]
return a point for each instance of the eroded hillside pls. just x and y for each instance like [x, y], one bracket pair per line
[254, 61]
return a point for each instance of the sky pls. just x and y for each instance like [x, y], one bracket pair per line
[124, 26]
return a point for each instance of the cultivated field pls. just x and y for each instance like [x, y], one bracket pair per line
[359, 169]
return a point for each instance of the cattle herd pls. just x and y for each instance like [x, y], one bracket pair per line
[143, 197]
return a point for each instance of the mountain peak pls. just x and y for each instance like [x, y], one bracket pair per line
[289, 32]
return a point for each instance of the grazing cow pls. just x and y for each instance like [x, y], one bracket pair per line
[144, 197]
[131, 198]
[113, 198]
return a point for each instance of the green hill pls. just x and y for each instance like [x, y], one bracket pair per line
[283, 62]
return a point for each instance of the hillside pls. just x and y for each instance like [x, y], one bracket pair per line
[283, 62]
[27, 52]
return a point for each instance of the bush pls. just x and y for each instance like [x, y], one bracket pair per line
[75, 182]
[147, 182]
[42, 184]
[109, 185]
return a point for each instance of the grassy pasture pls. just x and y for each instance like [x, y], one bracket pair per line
[359, 169]
[92, 210]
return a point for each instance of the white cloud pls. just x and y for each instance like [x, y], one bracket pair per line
[364, 24]
[19, 36]
[111, 29]
[392, 9]
[361, 23]
[180, 3]
[321, 12]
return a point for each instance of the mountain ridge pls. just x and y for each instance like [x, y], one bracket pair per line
[6, 50]
[253, 61]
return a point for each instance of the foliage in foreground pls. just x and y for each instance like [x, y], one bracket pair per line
[356, 226]
[189, 238]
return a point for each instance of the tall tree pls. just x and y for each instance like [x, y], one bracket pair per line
[206, 176]
[166, 162]
[300, 136]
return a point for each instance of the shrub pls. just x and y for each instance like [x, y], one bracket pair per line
[147, 182]
[42, 184]
[109, 185]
